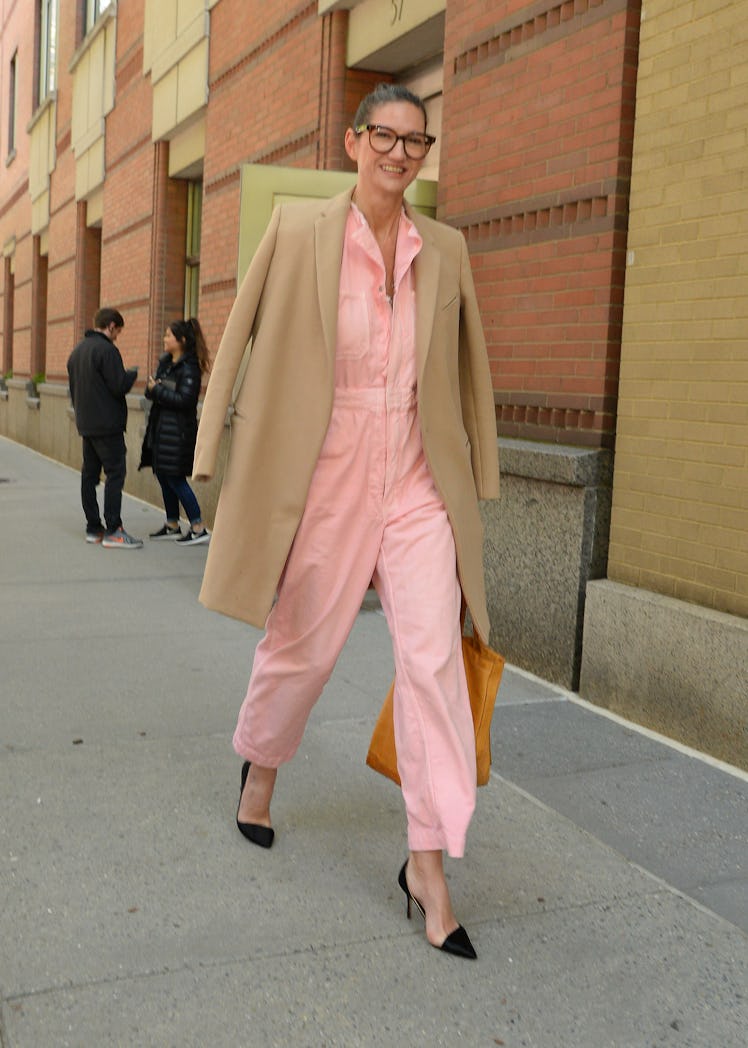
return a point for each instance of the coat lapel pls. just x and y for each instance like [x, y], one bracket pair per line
[427, 263]
[329, 231]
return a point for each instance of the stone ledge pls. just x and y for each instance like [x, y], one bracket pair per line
[543, 539]
[54, 389]
[556, 463]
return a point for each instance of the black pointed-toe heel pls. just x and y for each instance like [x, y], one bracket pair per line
[457, 942]
[261, 835]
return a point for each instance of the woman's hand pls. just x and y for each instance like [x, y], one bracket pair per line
[151, 382]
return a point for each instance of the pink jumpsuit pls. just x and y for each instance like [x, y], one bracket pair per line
[373, 514]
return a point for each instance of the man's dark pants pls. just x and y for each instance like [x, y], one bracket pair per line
[107, 453]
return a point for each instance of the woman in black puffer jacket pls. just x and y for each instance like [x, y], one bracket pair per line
[169, 443]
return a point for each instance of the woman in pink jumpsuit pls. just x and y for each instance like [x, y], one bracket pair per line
[374, 514]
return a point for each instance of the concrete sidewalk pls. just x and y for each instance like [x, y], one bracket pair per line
[605, 886]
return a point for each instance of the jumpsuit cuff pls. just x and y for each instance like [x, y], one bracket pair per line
[248, 753]
[420, 839]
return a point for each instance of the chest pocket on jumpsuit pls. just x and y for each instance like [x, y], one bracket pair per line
[353, 325]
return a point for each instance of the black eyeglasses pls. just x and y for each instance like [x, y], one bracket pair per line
[384, 139]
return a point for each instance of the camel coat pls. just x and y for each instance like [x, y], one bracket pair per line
[286, 314]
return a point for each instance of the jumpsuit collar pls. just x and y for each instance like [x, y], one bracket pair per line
[409, 241]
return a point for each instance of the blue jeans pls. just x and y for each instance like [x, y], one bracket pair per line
[176, 490]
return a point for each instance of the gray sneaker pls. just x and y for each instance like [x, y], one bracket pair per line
[119, 539]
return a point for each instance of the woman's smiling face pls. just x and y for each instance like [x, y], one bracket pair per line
[387, 173]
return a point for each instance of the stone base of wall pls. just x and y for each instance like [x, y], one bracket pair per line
[677, 668]
[46, 424]
[544, 538]
[20, 417]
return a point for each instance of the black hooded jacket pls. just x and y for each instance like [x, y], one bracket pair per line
[169, 443]
[99, 384]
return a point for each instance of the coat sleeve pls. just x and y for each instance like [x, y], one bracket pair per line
[231, 349]
[184, 397]
[118, 381]
[476, 387]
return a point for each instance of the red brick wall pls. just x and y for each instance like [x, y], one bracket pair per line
[280, 94]
[262, 107]
[62, 232]
[167, 265]
[87, 272]
[17, 35]
[128, 203]
[39, 277]
[536, 142]
[129, 226]
[61, 245]
[537, 136]
[7, 318]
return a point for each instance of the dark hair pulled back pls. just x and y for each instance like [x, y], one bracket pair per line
[381, 95]
[190, 334]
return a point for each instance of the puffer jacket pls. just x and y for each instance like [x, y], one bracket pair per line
[169, 442]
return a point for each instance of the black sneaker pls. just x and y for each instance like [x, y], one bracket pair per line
[194, 538]
[166, 532]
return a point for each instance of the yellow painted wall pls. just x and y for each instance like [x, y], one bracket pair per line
[680, 502]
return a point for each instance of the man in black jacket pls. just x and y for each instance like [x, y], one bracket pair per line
[99, 384]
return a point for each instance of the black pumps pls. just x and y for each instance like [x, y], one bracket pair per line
[262, 835]
[457, 942]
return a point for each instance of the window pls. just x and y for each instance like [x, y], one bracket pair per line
[93, 9]
[192, 251]
[12, 80]
[47, 48]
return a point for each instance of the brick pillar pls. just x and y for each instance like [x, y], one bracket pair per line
[158, 249]
[39, 270]
[87, 271]
[168, 251]
[341, 90]
[8, 301]
[333, 116]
